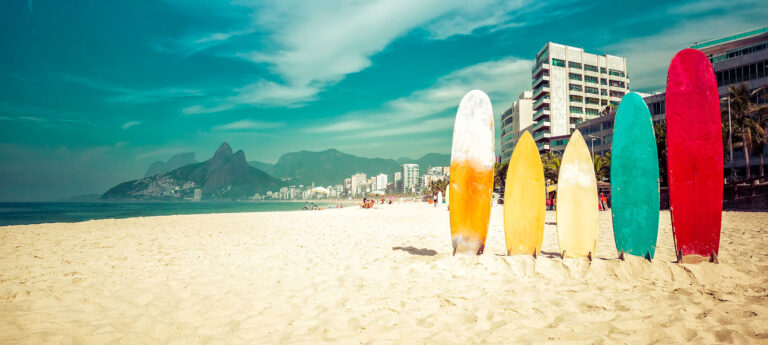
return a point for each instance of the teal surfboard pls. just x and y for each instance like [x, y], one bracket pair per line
[634, 179]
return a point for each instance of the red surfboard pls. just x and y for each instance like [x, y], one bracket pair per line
[694, 156]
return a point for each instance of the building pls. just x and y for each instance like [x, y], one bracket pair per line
[398, 181]
[513, 121]
[571, 86]
[410, 182]
[357, 180]
[198, 194]
[381, 182]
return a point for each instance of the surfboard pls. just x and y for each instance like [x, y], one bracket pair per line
[471, 180]
[694, 156]
[577, 200]
[524, 199]
[439, 197]
[634, 179]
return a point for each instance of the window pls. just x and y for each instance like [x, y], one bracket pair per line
[617, 94]
[589, 79]
[590, 100]
[591, 111]
[603, 81]
[558, 62]
[574, 76]
[602, 69]
[577, 110]
[616, 73]
[603, 102]
[616, 83]
[590, 68]
[572, 64]
[574, 87]
[574, 98]
[603, 92]
[592, 90]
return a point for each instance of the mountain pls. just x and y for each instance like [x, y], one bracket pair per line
[177, 161]
[331, 167]
[260, 165]
[226, 175]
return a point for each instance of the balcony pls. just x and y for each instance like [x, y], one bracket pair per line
[576, 104]
[576, 92]
[541, 135]
[541, 101]
[543, 146]
[539, 91]
[538, 69]
[541, 124]
[540, 113]
[540, 79]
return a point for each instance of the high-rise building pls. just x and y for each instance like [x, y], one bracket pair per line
[514, 121]
[571, 86]
[357, 181]
[381, 182]
[410, 173]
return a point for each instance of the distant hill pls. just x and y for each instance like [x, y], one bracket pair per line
[225, 176]
[177, 161]
[260, 165]
[331, 167]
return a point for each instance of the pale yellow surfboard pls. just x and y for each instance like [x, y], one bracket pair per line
[524, 199]
[577, 200]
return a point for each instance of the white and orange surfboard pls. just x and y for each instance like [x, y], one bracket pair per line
[471, 180]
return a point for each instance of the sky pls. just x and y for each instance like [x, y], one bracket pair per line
[93, 92]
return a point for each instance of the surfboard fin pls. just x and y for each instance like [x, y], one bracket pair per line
[714, 258]
[621, 256]
[589, 256]
[648, 257]
[562, 255]
[534, 253]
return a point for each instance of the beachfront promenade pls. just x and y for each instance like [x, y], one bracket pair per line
[384, 275]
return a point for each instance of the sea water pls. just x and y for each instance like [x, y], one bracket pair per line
[19, 213]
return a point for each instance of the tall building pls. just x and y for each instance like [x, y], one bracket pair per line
[410, 173]
[381, 182]
[571, 86]
[514, 121]
[357, 181]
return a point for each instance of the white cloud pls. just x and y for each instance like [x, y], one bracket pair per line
[502, 80]
[128, 95]
[648, 57]
[313, 45]
[248, 125]
[130, 124]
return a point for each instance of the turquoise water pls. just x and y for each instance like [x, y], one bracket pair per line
[18, 213]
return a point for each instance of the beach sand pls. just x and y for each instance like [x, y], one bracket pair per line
[355, 276]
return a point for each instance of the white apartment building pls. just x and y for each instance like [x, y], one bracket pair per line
[571, 86]
[357, 181]
[381, 182]
[410, 174]
[514, 121]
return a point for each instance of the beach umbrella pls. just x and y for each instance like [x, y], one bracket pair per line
[319, 190]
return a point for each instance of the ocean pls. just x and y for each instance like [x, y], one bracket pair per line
[20, 213]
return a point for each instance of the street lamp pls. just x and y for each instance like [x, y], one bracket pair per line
[730, 135]
[592, 140]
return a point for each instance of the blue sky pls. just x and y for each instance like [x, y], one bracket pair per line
[92, 92]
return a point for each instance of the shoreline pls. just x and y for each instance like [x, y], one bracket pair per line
[381, 275]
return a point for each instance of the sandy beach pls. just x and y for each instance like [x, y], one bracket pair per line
[355, 276]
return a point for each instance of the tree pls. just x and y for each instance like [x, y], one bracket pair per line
[745, 119]
[551, 163]
[500, 175]
[440, 185]
[762, 125]
[660, 132]
[602, 166]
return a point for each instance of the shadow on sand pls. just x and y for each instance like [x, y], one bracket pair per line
[416, 251]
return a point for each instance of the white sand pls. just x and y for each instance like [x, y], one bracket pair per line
[364, 276]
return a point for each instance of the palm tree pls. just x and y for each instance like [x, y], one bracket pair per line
[602, 165]
[500, 175]
[762, 125]
[551, 162]
[660, 131]
[744, 115]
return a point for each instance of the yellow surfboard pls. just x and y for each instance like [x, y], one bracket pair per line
[577, 200]
[524, 199]
[471, 181]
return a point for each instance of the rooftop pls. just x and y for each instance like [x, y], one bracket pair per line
[730, 38]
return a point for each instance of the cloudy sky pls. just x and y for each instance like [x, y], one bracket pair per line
[92, 92]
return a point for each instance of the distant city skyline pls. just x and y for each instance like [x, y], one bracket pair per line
[92, 93]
